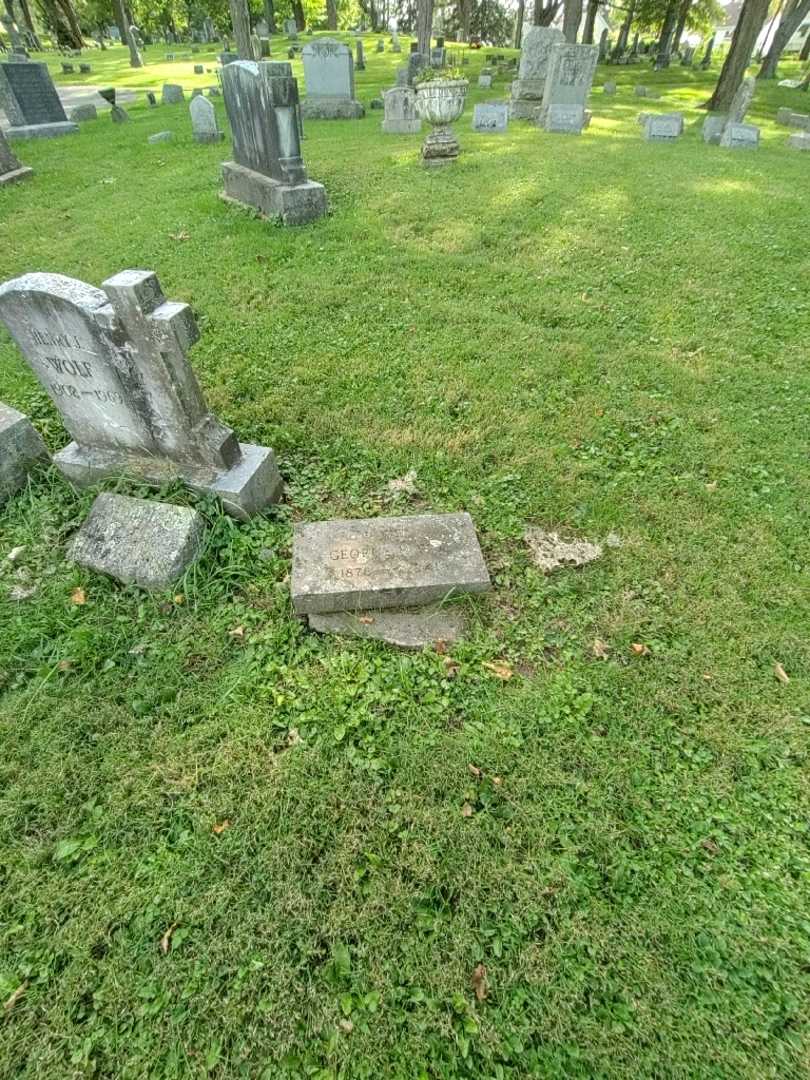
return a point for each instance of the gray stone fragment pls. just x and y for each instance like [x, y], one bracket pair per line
[609, 87]
[550, 552]
[385, 562]
[199, 69]
[83, 112]
[118, 115]
[159, 136]
[413, 629]
[11, 171]
[21, 448]
[713, 127]
[138, 542]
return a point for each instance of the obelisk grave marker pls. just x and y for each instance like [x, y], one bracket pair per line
[114, 363]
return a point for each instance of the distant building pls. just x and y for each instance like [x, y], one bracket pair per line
[724, 32]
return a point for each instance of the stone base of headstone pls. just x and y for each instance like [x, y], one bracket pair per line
[799, 141]
[402, 127]
[294, 204]
[14, 177]
[411, 629]
[490, 116]
[740, 137]
[138, 542]
[563, 119]
[381, 563]
[42, 131]
[663, 127]
[485, 81]
[209, 136]
[324, 108]
[713, 127]
[21, 448]
[527, 97]
[246, 489]
[440, 148]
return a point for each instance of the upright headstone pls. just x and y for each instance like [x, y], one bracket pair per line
[706, 62]
[264, 48]
[491, 117]
[204, 121]
[21, 449]
[740, 136]
[256, 46]
[528, 88]
[114, 363]
[396, 45]
[416, 62]
[172, 94]
[11, 170]
[401, 117]
[151, 99]
[715, 124]
[30, 101]
[569, 78]
[663, 127]
[800, 140]
[380, 45]
[603, 45]
[360, 56]
[609, 87]
[329, 78]
[485, 79]
[291, 28]
[267, 172]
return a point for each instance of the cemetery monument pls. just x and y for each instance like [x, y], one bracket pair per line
[329, 78]
[204, 121]
[569, 79]
[528, 88]
[30, 101]
[401, 117]
[11, 171]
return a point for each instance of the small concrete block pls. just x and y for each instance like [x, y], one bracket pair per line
[385, 562]
[412, 629]
[160, 136]
[740, 137]
[663, 127]
[138, 542]
[799, 141]
[20, 449]
[250, 486]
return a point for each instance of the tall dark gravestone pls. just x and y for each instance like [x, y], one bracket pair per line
[30, 101]
[267, 171]
[10, 168]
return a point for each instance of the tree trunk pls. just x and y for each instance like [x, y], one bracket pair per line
[121, 20]
[544, 14]
[72, 21]
[298, 14]
[464, 16]
[424, 25]
[805, 53]
[521, 11]
[790, 23]
[270, 16]
[331, 15]
[572, 16]
[27, 20]
[752, 19]
[624, 32]
[664, 47]
[240, 21]
[683, 15]
[590, 22]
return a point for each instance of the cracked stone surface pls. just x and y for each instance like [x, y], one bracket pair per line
[550, 552]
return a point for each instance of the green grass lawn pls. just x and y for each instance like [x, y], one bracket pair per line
[594, 334]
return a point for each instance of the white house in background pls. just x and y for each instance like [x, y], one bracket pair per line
[725, 30]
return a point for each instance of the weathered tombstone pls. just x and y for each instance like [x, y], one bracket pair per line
[86, 69]
[416, 62]
[438, 57]
[569, 78]
[138, 542]
[264, 48]
[485, 79]
[159, 137]
[688, 57]
[401, 117]
[114, 363]
[291, 28]
[491, 116]
[204, 121]
[396, 45]
[268, 172]
[329, 77]
[199, 69]
[740, 136]
[639, 90]
[256, 46]
[360, 56]
[783, 116]
[798, 141]
[603, 45]
[380, 45]
[68, 69]
[21, 448]
[402, 76]
[118, 115]
[663, 127]
[527, 89]
[150, 97]
[30, 101]
[196, 92]
[609, 87]
[11, 171]
[379, 563]
[564, 119]
[170, 56]
[715, 124]
[706, 62]
[172, 94]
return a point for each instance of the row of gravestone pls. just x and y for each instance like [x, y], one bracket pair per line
[113, 361]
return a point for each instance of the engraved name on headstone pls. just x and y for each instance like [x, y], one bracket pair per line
[114, 363]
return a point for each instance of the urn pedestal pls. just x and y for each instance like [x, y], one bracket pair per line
[440, 102]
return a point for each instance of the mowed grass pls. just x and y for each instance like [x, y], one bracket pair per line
[591, 334]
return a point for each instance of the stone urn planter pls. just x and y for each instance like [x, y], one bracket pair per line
[440, 102]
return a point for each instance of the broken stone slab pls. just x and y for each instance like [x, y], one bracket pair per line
[138, 542]
[412, 629]
[159, 137]
[389, 562]
[21, 448]
[550, 552]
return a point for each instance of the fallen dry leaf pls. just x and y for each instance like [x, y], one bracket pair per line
[179, 599]
[366, 620]
[476, 772]
[406, 483]
[347, 1026]
[780, 673]
[15, 997]
[182, 235]
[600, 650]
[712, 486]
[440, 646]
[166, 940]
[221, 827]
[479, 981]
[499, 668]
[497, 780]
[78, 596]
[709, 845]
[639, 649]
[293, 738]
[451, 667]
[238, 633]
[65, 665]
[466, 810]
